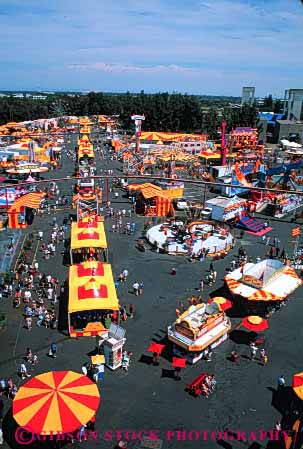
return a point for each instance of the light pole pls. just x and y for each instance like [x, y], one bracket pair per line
[138, 121]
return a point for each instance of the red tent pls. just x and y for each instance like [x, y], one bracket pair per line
[155, 347]
[179, 363]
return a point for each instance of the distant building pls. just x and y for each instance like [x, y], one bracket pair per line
[293, 104]
[39, 97]
[288, 129]
[275, 127]
[248, 95]
[267, 124]
[36, 96]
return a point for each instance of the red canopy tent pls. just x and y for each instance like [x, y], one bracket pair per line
[179, 363]
[155, 348]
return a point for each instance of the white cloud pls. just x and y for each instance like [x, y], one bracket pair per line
[196, 42]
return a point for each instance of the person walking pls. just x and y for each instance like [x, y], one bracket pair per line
[253, 351]
[53, 351]
[281, 382]
[29, 355]
[125, 275]
[23, 371]
[263, 355]
[84, 369]
[82, 433]
[136, 288]
[141, 288]
[131, 310]
[201, 285]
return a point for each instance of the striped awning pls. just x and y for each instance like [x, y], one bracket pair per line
[263, 295]
[31, 200]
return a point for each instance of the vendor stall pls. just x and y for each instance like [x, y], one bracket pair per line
[113, 347]
[197, 331]
[92, 299]
[152, 201]
[226, 209]
[88, 240]
[262, 284]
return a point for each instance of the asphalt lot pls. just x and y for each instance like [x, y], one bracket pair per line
[147, 398]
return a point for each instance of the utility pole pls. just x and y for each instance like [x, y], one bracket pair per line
[296, 232]
[204, 195]
[223, 143]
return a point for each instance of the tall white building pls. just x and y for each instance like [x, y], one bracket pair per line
[293, 104]
[248, 95]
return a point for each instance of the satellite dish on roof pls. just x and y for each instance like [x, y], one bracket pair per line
[212, 308]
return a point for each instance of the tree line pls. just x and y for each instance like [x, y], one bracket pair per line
[163, 111]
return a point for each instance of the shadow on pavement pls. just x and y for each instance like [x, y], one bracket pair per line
[241, 337]
[147, 359]
[62, 313]
[168, 373]
[285, 401]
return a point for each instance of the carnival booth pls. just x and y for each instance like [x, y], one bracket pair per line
[243, 137]
[152, 201]
[26, 168]
[259, 286]
[88, 240]
[92, 299]
[226, 209]
[85, 153]
[113, 347]
[285, 203]
[173, 189]
[20, 213]
[154, 136]
[85, 129]
[198, 331]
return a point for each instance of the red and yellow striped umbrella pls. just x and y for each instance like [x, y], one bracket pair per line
[223, 303]
[297, 384]
[54, 402]
[255, 323]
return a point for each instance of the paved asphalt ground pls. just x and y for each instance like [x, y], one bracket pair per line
[147, 397]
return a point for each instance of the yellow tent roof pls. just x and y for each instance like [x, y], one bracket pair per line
[88, 235]
[91, 287]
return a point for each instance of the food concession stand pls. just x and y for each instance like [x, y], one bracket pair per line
[198, 330]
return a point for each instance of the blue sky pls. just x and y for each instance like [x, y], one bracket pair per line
[209, 47]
